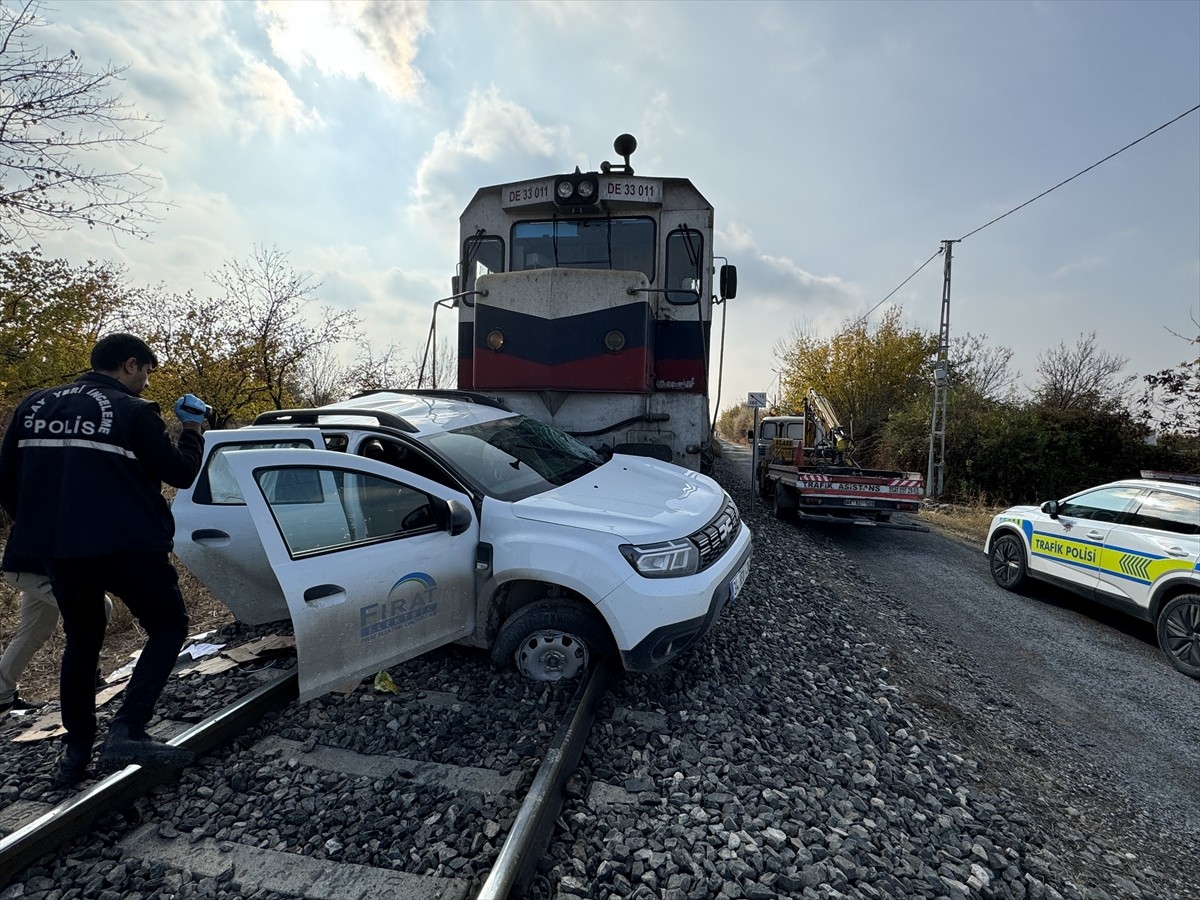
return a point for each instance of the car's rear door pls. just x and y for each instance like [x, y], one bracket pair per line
[385, 582]
[1161, 537]
[214, 534]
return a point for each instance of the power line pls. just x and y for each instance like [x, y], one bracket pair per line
[1077, 174]
[1023, 205]
[897, 287]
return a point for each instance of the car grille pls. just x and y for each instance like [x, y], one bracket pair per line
[716, 537]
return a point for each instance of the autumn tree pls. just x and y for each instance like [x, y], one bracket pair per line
[866, 372]
[51, 314]
[55, 115]
[251, 348]
[1079, 377]
[1170, 400]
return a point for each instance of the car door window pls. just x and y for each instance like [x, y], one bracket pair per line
[216, 484]
[1164, 511]
[321, 509]
[1103, 505]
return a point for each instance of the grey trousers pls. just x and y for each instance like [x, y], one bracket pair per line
[39, 618]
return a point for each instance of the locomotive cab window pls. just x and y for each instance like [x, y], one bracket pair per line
[685, 254]
[617, 243]
[482, 255]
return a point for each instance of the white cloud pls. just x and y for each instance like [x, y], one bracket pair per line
[494, 135]
[275, 108]
[1079, 265]
[351, 39]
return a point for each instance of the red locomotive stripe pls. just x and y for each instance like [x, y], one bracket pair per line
[626, 371]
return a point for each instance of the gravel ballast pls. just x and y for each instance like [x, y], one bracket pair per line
[788, 761]
[783, 756]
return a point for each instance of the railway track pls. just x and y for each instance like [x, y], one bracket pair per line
[352, 796]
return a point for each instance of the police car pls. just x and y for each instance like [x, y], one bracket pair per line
[1133, 545]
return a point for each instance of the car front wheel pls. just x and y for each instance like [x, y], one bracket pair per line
[551, 640]
[1008, 562]
[1179, 633]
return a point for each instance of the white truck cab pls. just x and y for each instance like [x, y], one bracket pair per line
[394, 523]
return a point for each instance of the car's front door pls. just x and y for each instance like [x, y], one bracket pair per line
[366, 557]
[1067, 547]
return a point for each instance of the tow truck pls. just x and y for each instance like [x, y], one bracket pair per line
[805, 466]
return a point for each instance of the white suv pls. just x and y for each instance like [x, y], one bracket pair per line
[394, 523]
[1133, 545]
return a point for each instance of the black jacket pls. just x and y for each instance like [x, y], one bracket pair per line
[81, 472]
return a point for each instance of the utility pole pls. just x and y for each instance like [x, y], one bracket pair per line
[941, 388]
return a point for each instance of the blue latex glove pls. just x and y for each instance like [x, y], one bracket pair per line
[191, 409]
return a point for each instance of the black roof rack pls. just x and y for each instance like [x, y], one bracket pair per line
[1178, 477]
[311, 417]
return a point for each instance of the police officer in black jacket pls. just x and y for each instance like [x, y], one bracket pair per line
[81, 472]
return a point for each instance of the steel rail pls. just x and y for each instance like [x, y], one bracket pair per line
[76, 816]
[534, 822]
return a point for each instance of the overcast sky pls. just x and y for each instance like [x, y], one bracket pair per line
[839, 144]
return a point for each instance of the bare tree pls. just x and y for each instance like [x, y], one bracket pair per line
[1081, 376]
[270, 299]
[54, 113]
[983, 369]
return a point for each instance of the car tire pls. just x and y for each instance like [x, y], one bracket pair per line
[1178, 630]
[551, 640]
[1007, 562]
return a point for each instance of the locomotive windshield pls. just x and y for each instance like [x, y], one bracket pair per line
[610, 243]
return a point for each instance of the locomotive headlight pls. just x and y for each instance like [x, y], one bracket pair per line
[495, 340]
[669, 559]
[614, 341]
[577, 190]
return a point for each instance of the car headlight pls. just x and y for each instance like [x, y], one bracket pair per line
[669, 559]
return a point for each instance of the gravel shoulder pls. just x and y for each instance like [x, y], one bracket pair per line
[831, 739]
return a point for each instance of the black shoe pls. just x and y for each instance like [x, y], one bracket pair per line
[124, 747]
[16, 704]
[72, 765]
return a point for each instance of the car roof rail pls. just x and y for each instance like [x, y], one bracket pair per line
[1179, 477]
[313, 415]
[445, 394]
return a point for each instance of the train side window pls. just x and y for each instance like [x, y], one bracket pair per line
[685, 255]
[482, 255]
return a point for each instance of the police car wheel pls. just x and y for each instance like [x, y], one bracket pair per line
[551, 640]
[1008, 562]
[1179, 633]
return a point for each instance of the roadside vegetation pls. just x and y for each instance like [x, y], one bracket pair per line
[1082, 423]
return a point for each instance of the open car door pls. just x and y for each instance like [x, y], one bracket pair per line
[214, 535]
[376, 564]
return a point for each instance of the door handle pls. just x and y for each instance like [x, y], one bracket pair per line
[211, 536]
[324, 594]
[1176, 551]
[1095, 535]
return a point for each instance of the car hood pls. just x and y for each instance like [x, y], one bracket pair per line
[1020, 512]
[632, 497]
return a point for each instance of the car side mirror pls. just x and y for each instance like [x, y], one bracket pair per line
[750, 434]
[1050, 508]
[460, 517]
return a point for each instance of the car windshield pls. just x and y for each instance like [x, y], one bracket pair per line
[515, 457]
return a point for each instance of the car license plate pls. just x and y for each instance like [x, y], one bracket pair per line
[735, 584]
[860, 502]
